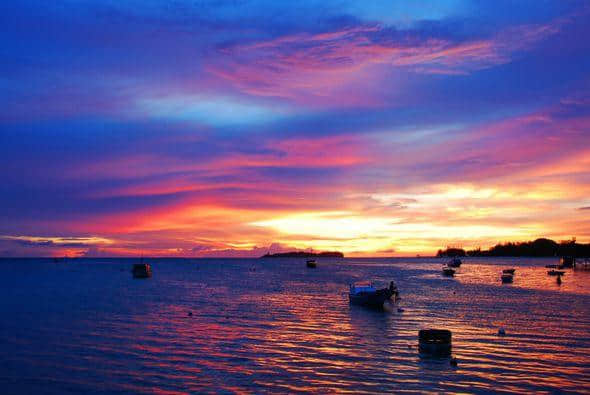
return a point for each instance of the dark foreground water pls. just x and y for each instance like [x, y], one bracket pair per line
[275, 326]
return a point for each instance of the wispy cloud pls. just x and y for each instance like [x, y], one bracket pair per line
[304, 64]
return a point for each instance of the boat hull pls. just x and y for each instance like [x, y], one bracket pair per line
[373, 300]
[142, 271]
[555, 273]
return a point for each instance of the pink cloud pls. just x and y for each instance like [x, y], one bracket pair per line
[302, 66]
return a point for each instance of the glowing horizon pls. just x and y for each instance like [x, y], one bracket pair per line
[233, 129]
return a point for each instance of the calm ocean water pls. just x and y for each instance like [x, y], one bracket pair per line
[275, 326]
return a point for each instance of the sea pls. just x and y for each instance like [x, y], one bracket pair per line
[255, 326]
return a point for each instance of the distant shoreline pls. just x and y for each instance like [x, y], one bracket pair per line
[304, 254]
[541, 248]
[250, 257]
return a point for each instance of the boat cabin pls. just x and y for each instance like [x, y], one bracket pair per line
[362, 287]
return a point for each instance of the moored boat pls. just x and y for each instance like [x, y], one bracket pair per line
[555, 272]
[366, 294]
[508, 271]
[142, 270]
[455, 262]
[311, 263]
[448, 271]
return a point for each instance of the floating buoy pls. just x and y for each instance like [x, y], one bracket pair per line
[454, 362]
[435, 342]
[501, 332]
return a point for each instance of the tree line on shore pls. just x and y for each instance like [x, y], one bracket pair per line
[538, 248]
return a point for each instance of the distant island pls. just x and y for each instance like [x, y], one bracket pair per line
[304, 254]
[537, 248]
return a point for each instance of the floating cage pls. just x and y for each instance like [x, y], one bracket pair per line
[435, 342]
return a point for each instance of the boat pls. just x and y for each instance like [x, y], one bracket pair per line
[551, 266]
[508, 271]
[507, 278]
[567, 262]
[556, 272]
[142, 270]
[455, 262]
[448, 271]
[366, 294]
[311, 263]
[435, 342]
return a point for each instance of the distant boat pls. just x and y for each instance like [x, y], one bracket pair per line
[508, 271]
[582, 265]
[448, 271]
[507, 278]
[555, 272]
[551, 266]
[365, 294]
[567, 262]
[311, 264]
[142, 270]
[455, 262]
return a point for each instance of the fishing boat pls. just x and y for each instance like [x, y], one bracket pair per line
[507, 278]
[555, 272]
[455, 262]
[448, 271]
[366, 294]
[142, 270]
[508, 271]
[311, 263]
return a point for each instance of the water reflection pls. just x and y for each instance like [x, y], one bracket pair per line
[282, 328]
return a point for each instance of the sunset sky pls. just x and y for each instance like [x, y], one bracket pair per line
[231, 128]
